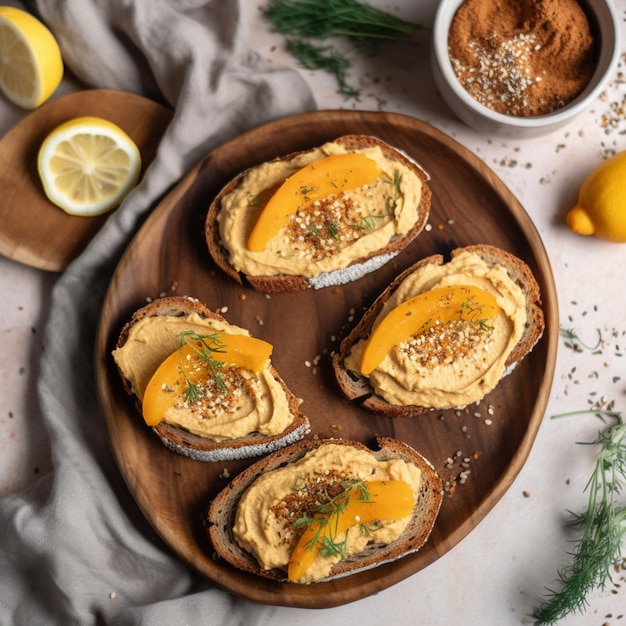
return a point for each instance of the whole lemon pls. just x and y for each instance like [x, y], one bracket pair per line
[601, 206]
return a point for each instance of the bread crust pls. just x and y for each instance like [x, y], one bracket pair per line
[357, 388]
[358, 269]
[222, 510]
[201, 448]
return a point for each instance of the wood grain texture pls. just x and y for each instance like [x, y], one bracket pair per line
[469, 205]
[34, 231]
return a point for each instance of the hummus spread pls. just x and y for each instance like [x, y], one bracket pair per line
[457, 364]
[257, 404]
[267, 512]
[327, 235]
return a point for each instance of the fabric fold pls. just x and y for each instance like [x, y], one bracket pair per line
[75, 549]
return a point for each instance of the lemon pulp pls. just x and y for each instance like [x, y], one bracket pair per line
[31, 66]
[88, 165]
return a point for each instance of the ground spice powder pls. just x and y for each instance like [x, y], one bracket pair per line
[522, 57]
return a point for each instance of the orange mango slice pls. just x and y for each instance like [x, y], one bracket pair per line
[388, 500]
[168, 383]
[459, 302]
[315, 181]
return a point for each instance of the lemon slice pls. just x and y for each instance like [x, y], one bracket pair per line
[88, 165]
[31, 66]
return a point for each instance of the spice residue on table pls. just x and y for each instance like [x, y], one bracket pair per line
[523, 58]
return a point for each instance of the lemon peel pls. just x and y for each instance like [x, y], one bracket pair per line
[601, 207]
[31, 66]
[88, 165]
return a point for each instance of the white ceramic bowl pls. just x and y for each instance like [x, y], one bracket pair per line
[487, 121]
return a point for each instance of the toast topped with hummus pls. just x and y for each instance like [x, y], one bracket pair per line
[326, 508]
[443, 334]
[206, 387]
[320, 217]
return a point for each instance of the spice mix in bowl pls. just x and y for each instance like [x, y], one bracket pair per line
[523, 68]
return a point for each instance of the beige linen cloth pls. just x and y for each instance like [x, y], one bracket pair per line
[74, 548]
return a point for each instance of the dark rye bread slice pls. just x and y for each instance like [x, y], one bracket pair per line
[357, 388]
[194, 446]
[358, 269]
[222, 510]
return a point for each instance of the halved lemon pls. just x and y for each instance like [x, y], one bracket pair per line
[88, 165]
[31, 66]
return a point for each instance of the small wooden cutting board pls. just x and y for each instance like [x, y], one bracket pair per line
[34, 231]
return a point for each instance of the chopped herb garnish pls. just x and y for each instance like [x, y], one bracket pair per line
[314, 229]
[368, 222]
[392, 201]
[305, 191]
[333, 231]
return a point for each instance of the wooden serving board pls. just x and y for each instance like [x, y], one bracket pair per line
[34, 231]
[469, 205]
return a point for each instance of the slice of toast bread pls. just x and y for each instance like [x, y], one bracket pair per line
[222, 510]
[369, 262]
[189, 444]
[357, 387]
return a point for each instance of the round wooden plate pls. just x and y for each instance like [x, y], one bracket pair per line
[469, 205]
[34, 231]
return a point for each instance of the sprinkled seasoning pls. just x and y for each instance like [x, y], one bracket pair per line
[522, 58]
[447, 344]
[459, 463]
[331, 224]
[502, 76]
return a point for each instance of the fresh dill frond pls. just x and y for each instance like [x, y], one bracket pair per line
[325, 58]
[603, 527]
[331, 547]
[392, 200]
[326, 518]
[205, 347]
[333, 231]
[368, 222]
[364, 24]
[315, 230]
[573, 340]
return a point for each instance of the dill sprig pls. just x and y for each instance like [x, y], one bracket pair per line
[392, 200]
[325, 58]
[603, 526]
[326, 518]
[205, 347]
[365, 26]
[574, 342]
[368, 222]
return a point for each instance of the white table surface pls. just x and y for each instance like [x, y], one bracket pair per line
[497, 574]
